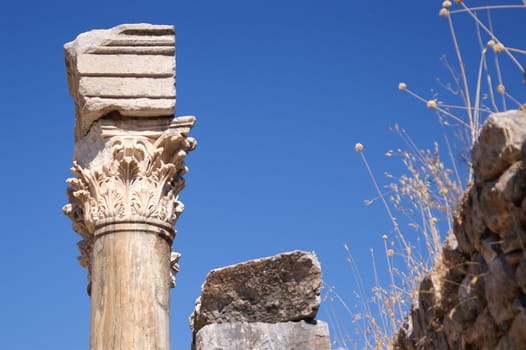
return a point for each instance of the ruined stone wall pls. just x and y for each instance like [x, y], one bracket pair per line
[475, 297]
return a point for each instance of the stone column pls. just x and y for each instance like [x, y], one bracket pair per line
[128, 166]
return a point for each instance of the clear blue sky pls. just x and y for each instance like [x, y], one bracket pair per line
[282, 91]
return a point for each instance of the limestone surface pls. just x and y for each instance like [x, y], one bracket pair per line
[282, 288]
[129, 69]
[499, 144]
[264, 336]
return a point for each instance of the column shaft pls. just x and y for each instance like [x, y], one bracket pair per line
[130, 292]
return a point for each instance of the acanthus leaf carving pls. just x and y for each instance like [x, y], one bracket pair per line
[174, 267]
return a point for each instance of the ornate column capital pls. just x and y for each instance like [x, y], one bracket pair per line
[129, 170]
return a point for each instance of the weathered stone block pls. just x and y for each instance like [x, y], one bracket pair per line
[514, 240]
[483, 333]
[520, 274]
[499, 144]
[427, 302]
[517, 332]
[129, 69]
[501, 291]
[474, 210]
[490, 248]
[463, 226]
[471, 300]
[495, 202]
[126, 65]
[264, 336]
[131, 87]
[282, 288]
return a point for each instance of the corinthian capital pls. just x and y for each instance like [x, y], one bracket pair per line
[129, 170]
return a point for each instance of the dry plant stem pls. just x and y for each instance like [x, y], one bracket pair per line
[378, 292]
[488, 76]
[342, 302]
[477, 92]
[361, 289]
[445, 112]
[511, 49]
[491, 34]
[377, 188]
[513, 99]
[492, 7]
[443, 105]
[415, 151]
[338, 331]
[499, 77]
[392, 218]
[464, 78]
[391, 275]
[497, 65]
[450, 155]
[449, 214]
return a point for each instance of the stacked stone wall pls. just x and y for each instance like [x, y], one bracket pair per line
[475, 297]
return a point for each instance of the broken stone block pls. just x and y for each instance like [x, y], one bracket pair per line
[264, 336]
[129, 69]
[282, 288]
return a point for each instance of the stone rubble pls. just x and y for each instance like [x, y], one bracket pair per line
[480, 300]
[267, 303]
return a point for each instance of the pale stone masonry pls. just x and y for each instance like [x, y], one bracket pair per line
[128, 165]
[129, 69]
[262, 304]
[300, 335]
